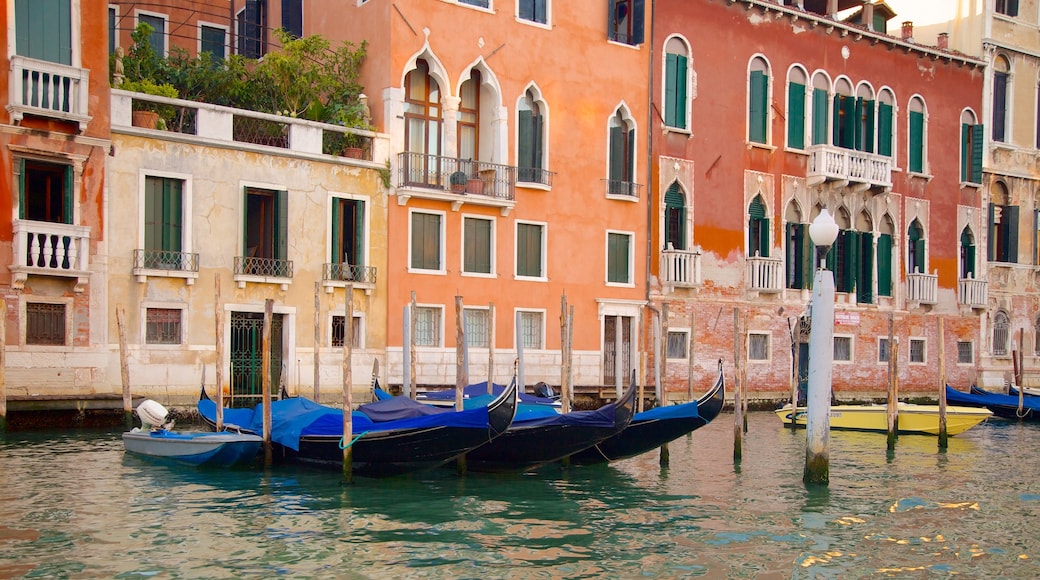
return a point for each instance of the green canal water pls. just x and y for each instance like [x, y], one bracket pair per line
[72, 505]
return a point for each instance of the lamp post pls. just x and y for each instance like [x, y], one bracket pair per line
[823, 231]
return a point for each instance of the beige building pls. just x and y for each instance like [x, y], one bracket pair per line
[1003, 33]
[249, 203]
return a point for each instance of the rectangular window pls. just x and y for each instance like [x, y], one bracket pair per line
[965, 352]
[427, 326]
[532, 328]
[252, 23]
[625, 21]
[348, 237]
[43, 30]
[917, 350]
[265, 233]
[212, 40]
[157, 39]
[1000, 85]
[480, 3]
[44, 323]
[477, 326]
[530, 250]
[796, 116]
[1007, 7]
[163, 326]
[533, 10]
[477, 247]
[45, 192]
[338, 335]
[619, 258]
[163, 215]
[883, 350]
[292, 17]
[113, 37]
[758, 346]
[842, 349]
[426, 237]
[677, 344]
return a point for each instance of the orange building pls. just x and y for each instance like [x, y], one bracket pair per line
[54, 139]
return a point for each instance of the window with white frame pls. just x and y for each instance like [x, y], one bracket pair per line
[678, 344]
[758, 346]
[46, 323]
[842, 349]
[477, 326]
[1001, 333]
[797, 85]
[532, 329]
[676, 81]
[918, 136]
[157, 38]
[213, 39]
[426, 241]
[530, 250]
[620, 249]
[531, 148]
[758, 101]
[533, 10]
[1001, 93]
[478, 239]
[884, 350]
[965, 352]
[339, 332]
[428, 325]
[917, 350]
[163, 325]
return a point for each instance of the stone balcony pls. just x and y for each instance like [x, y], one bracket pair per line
[48, 89]
[50, 249]
[765, 275]
[922, 288]
[972, 292]
[680, 268]
[858, 169]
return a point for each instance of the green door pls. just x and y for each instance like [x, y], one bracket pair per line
[247, 358]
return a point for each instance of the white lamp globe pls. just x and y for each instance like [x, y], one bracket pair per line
[823, 230]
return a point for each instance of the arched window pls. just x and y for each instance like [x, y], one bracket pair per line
[820, 108]
[676, 75]
[845, 117]
[1001, 333]
[469, 117]
[915, 248]
[884, 256]
[531, 157]
[758, 101]
[885, 122]
[622, 154]
[1001, 90]
[796, 91]
[758, 229]
[967, 266]
[918, 136]
[422, 125]
[864, 266]
[971, 148]
[1003, 226]
[797, 248]
[674, 218]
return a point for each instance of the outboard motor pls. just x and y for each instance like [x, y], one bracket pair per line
[153, 415]
[544, 391]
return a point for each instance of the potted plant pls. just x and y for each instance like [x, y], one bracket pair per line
[148, 114]
[458, 181]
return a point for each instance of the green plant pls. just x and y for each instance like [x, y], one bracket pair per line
[458, 178]
[384, 175]
[146, 86]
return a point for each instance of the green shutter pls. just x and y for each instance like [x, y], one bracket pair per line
[758, 114]
[885, 129]
[836, 121]
[680, 91]
[968, 254]
[808, 266]
[884, 261]
[916, 142]
[171, 230]
[991, 242]
[867, 138]
[528, 250]
[426, 241]
[796, 116]
[850, 136]
[525, 131]
[281, 225]
[865, 274]
[21, 189]
[965, 151]
[617, 154]
[763, 238]
[152, 214]
[617, 258]
[819, 124]
[977, 145]
[919, 249]
[630, 158]
[1011, 216]
[359, 233]
[851, 253]
[671, 80]
[477, 251]
[337, 230]
[43, 30]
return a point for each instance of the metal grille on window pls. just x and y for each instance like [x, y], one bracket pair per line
[1001, 327]
[427, 325]
[965, 353]
[916, 351]
[163, 326]
[677, 344]
[44, 323]
[337, 332]
[475, 324]
[758, 347]
[531, 325]
[842, 348]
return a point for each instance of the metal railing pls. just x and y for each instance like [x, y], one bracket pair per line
[622, 188]
[765, 274]
[166, 260]
[50, 248]
[461, 176]
[48, 89]
[534, 175]
[972, 292]
[266, 267]
[681, 268]
[923, 288]
[345, 272]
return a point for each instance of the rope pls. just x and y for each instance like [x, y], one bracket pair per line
[342, 446]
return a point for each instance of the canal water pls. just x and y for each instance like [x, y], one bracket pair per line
[73, 505]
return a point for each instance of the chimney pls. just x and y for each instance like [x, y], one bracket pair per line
[908, 31]
[868, 15]
[943, 41]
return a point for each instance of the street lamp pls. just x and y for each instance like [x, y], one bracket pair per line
[823, 231]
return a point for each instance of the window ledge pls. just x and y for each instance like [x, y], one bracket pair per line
[924, 176]
[243, 279]
[630, 198]
[620, 284]
[972, 184]
[624, 44]
[678, 130]
[534, 23]
[796, 151]
[489, 276]
[530, 278]
[332, 284]
[534, 185]
[142, 274]
[430, 272]
[763, 146]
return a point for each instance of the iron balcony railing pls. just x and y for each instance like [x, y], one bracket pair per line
[832, 163]
[460, 176]
[166, 260]
[265, 267]
[345, 272]
[922, 288]
[622, 188]
[48, 89]
[972, 292]
[765, 274]
[681, 268]
[534, 175]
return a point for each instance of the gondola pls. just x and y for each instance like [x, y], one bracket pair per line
[1001, 405]
[391, 437]
[652, 429]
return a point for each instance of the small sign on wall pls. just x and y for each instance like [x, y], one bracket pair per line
[847, 318]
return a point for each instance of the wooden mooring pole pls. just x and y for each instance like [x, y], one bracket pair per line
[317, 340]
[461, 372]
[413, 324]
[795, 330]
[347, 443]
[738, 410]
[265, 379]
[124, 369]
[218, 322]
[689, 357]
[3, 366]
[943, 435]
[491, 348]
[661, 355]
[893, 384]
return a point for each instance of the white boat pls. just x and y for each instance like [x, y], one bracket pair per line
[156, 439]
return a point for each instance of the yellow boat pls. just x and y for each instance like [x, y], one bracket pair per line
[920, 419]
